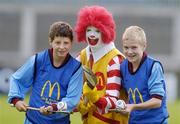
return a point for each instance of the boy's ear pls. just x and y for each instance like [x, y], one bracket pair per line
[144, 46]
[50, 41]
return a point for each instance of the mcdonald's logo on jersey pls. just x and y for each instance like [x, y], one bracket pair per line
[51, 89]
[134, 93]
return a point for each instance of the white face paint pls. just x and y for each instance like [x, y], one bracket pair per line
[93, 36]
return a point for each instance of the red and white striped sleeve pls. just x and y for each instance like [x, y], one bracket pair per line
[113, 77]
[113, 85]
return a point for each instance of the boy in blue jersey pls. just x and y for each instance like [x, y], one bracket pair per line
[55, 77]
[143, 80]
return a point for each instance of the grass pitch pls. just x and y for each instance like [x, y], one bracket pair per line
[9, 115]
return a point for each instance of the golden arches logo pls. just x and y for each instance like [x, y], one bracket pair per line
[101, 81]
[134, 94]
[51, 88]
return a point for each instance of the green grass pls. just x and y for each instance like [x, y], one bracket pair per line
[174, 112]
[9, 115]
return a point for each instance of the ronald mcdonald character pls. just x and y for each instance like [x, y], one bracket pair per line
[96, 26]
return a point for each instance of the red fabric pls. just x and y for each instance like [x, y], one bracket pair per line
[113, 86]
[84, 116]
[75, 110]
[112, 103]
[101, 103]
[111, 62]
[107, 120]
[15, 100]
[91, 60]
[54, 107]
[113, 73]
[156, 96]
[121, 58]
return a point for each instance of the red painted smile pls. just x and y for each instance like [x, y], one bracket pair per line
[93, 42]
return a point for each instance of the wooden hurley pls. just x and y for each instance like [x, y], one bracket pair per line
[38, 109]
[90, 76]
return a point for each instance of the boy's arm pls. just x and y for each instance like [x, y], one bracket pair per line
[74, 92]
[156, 90]
[150, 104]
[156, 82]
[21, 81]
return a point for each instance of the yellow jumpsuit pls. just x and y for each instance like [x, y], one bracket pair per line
[89, 111]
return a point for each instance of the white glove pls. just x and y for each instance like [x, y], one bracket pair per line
[120, 105]
[62, 106]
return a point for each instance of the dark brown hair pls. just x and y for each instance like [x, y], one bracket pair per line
[61, 29]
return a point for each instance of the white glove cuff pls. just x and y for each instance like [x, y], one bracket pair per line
[62, 106]
[120, 104]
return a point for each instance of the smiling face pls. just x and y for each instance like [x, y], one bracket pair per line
[133, 51]
[61, 46]
[134, 44]
[93, 36]
[60, 39]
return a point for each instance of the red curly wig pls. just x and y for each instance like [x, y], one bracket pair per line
[98, 17]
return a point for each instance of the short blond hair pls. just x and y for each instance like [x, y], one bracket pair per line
[134, 33]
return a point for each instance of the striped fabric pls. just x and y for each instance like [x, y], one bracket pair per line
[113, 85]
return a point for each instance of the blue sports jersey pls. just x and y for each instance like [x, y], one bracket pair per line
[138, 88]
[49, 85]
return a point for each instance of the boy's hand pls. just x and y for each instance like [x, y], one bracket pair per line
[46, 110]
[21, 106]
